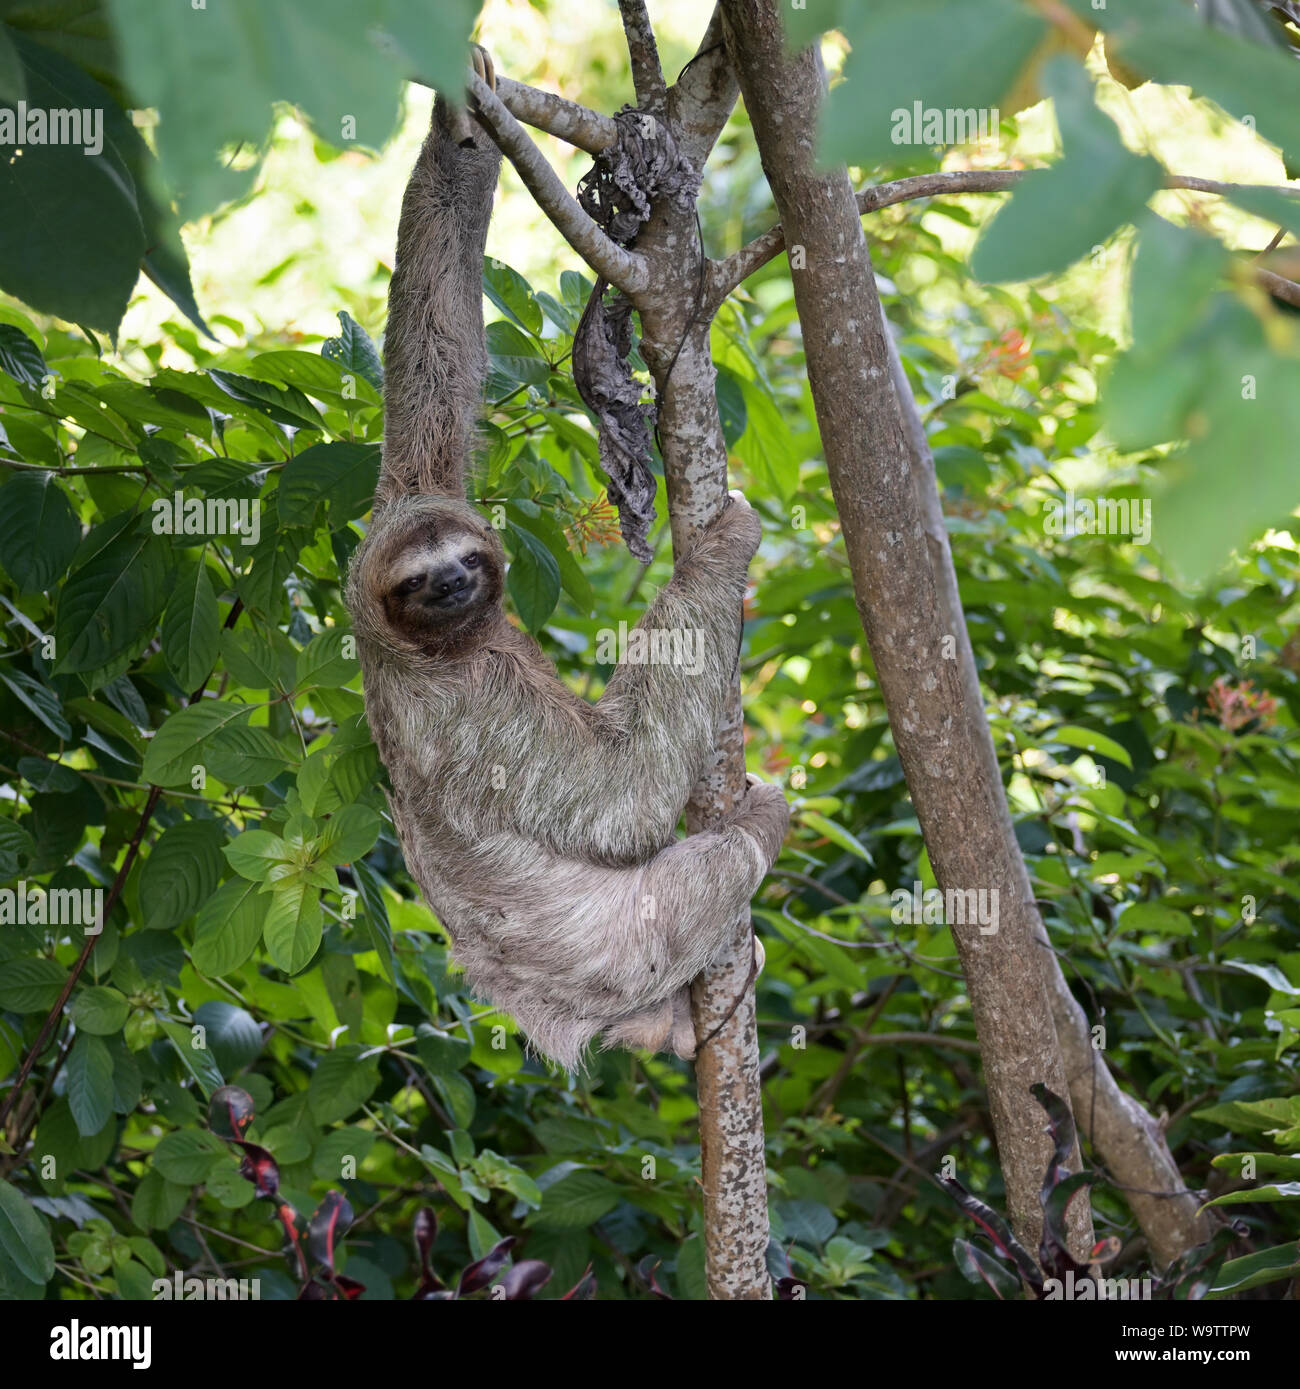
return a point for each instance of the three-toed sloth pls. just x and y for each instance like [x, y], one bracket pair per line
[541, 827]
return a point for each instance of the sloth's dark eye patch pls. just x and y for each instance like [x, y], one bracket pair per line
[410, 585]
[471, 561]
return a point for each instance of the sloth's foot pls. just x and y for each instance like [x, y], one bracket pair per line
[481, 61]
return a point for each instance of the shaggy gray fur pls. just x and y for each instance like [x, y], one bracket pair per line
[540, 827]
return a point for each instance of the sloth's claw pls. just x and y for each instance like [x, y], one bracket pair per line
[481, 60]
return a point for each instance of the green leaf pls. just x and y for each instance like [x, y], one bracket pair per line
[90, 1083]
[533, 578]
[1047, 225]
[25, 1245]
[158, 1202]
[342, 474]
[229, 927]
[1254, 1270]
[329, 659]
[13, 80]
[282, 405]
[187, 1155]
[349, 834]
[512, 294]
[197, 1060]
[244, 756]
[1089, 741]
[39, 532]
[973, 54]
[837, 834]
[577, 1200]
[1278, 1191]
[191, 628]
[515, 359]
[19, 355]
[293, 925]
[233, 1034]
[110, 601]
[40, 699]
[354, 351]
[341, 1083]
[442, 1053]
[255, 853]
[46, 258]
[177, 748]
[181, 873]
[30, 986]
[99, 1010]
[574, 581]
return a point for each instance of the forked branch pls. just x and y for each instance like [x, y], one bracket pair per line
[647, 73]
[624, 269]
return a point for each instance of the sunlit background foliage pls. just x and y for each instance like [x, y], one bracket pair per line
[1146, 731]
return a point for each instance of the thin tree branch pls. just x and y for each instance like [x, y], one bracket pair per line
[701, 99]
[1286, 290]
[625, 269]
[566, 120]
[647, 72]
[727, 274]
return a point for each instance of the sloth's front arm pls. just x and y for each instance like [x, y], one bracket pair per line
[617, 781]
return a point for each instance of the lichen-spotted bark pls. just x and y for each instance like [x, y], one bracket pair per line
[938, 734]
[733, 1168]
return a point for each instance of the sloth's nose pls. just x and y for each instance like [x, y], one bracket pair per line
[451, 578]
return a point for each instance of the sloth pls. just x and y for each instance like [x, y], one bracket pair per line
[540, 826]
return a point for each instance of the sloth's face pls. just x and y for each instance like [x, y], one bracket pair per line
[445, 578]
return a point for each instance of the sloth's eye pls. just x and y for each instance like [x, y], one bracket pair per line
[471, 561]
[411, 584]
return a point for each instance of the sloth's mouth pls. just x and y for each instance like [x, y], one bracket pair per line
[456, 599]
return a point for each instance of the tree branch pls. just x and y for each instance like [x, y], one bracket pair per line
[727, 274]
[647, 73]
[1286, 290]
[567, 120]
[625, 269]
[701, 99]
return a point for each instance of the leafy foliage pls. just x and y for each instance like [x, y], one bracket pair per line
[181, 732]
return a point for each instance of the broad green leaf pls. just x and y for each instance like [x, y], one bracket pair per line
[255, 852]
[342, 474]
[229, 927]
[233, 1034]
[512, 294]
[99, 1010]
[38, 530]
[111, 600]
[178, 747]
[515, 360]
[292, 927]
[1047, 225]
[354, 352]
[329, 659]
[533, 578]
[1254, 1270]
[191, 627]
[837, 834]
[181, 873]
[25, 1246]
[1090, 741]
[578, 1200]
[187, 1155]
[40, 699]
[30, 986]
[243, 756]
[90, 1083]
[197, 1060]
[349, 834]
[574, 581]
[973, 55]
[341, 1083]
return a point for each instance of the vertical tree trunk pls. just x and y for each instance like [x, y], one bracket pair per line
[943, 742]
